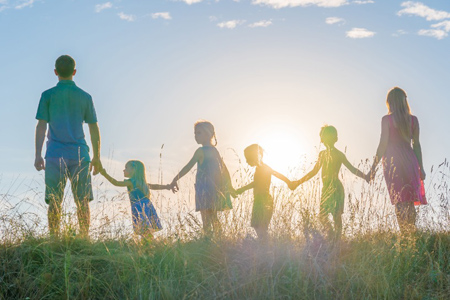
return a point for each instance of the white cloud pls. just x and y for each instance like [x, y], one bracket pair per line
[359, 33]
[24, 4]
[399, 33]
[262, 23]
[363, 2]
[334, 20]
[436, 33]
[100, 7]
[293, 3]
[230, 24]
[421, 10]
[129, 18]
[445, 25]
[162, 15]
[213, 18]
[191, 1]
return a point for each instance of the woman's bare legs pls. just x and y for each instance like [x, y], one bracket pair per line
[406, 216]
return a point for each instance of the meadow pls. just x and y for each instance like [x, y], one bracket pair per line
[372, 261]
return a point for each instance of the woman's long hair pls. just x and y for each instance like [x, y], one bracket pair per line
[139, 176]
[398, 107]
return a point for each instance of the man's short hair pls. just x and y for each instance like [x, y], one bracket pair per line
[65, 65]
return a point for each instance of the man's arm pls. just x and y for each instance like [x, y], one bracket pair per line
[94, 131]
[41, 129]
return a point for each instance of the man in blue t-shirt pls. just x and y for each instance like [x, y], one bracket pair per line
[65, 108]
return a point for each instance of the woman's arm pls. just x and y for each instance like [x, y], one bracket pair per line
[115, 182]
[417, 148]
[384, 138]
[198, 156]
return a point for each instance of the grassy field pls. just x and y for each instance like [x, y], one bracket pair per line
[372, 261]
[376, 266]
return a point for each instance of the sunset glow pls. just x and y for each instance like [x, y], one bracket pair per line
[282, 148]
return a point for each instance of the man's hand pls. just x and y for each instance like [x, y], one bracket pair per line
[39, 163]
[96, 164]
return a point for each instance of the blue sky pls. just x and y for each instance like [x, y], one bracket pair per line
[268, 71]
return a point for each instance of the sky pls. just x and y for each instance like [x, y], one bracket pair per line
[262, 71]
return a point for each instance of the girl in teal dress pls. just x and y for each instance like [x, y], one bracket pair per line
[332, 200]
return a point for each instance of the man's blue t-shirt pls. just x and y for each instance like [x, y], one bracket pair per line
[65, 107]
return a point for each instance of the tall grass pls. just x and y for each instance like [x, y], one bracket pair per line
[372, 260]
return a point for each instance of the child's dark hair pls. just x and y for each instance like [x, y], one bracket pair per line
[328, 135]
[208, 127]
[65, 65]
[253, 151]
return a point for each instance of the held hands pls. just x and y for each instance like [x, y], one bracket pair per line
[96, 165]
[233, 192]
[237, 192]
[369, 176]
[173, 187]
[294, 184]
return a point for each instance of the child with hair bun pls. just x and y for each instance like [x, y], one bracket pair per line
[212, 182]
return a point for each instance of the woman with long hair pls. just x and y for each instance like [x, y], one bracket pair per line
[401, 155]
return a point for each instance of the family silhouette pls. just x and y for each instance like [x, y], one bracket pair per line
[64, 108]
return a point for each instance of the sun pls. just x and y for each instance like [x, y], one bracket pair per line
[283, 148]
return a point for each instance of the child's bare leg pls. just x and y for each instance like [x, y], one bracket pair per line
[217, 227]
[325, 221]
[210, 222]
[337, 225]
[406, 216]
[147, 235]
[262, 232]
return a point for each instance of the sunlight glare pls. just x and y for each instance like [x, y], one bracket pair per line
[283, 148]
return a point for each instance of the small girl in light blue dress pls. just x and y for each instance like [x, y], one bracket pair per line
[212, 182]
[145, 218]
